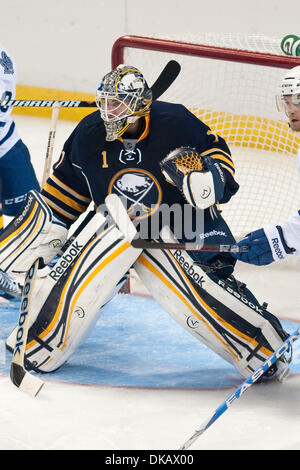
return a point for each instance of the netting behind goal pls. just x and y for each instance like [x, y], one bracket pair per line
[230, 82]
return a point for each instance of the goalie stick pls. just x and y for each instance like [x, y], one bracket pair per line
[162, 83]
[18, 375]
[243, 387]
[159, 245]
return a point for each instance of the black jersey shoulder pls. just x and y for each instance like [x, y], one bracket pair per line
[88, 135]
[90, 123]
[175, 121]
[175, 113]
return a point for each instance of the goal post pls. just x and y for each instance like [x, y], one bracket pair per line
[198, 49]
[230, 81]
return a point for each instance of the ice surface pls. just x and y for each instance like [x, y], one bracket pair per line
[141, 382]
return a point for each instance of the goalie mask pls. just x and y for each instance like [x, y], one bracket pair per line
[289, 94]
[122, 97]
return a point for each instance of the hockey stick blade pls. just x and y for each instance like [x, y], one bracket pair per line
[243, 387]
[165, 79]
[19, 376]
[159, 245]
[24, 381]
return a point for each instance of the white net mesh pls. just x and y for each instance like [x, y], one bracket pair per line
[237, 100]
[238, 41]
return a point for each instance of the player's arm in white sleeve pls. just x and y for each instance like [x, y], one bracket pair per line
[291, 227]
[9, 135]
[272, 243]
[8, 81]
[291, 232]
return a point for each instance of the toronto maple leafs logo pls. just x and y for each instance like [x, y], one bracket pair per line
[6, 63]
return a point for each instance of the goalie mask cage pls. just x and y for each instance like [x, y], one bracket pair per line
[230, 81]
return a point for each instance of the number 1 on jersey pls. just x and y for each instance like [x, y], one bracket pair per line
[104, 165]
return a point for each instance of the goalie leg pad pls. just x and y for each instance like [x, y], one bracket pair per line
[230, 325]
[69, 300]
[30, 235]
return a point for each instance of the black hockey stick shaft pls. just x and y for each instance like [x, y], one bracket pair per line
[36, 103]
[162, 83]
[160, 245]
[165, 79]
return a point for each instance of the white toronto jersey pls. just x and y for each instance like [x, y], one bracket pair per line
[291, 227]
[8, 132]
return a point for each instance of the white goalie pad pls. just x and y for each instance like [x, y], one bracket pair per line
[69, 300]
[30, 235]
[222, 319]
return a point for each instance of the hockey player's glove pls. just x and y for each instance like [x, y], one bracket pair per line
[265, 246]
[200, 179]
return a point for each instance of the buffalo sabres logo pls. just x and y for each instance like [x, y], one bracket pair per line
[6, 63]
[133, 157]
[139, 189]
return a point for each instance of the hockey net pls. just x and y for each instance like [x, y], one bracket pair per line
[230, 82]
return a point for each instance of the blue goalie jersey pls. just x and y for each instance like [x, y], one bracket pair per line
[90, 168]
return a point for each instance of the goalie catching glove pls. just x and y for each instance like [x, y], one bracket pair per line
[200, 179]
[31, 235]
